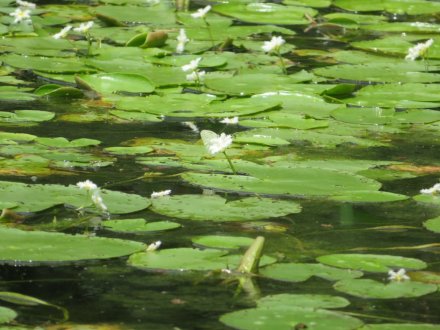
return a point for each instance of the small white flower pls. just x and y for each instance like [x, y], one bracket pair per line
[230, 121]
[25, 4]
[87, 185]
[20, 15]
[98, 201]
[196, 76]
[84, 27]
[193, 127]
[273, 45]
[201, 13]
[219, 143]
[193, 65]
[434, 190]
[418, 50]
[154, 246]
[398, 276]
[160, 193]
[62, 33]
[182, 39]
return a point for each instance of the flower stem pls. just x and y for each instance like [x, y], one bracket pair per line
[282, 64]
[230, 163]
[209, 32]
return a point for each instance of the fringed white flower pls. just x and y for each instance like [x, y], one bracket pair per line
[201, 13]
[84, 27]
[21, 15]
[434, 190]
[26, 4]
[193, 127]
[63, 33]
[154, 246]
[182, 39]
[219, 143]
[273, 45]
[160, 193]
[418, 50]
[230, 121]
[98, 201]
[398, 276]
[87, 185]
[192, 66]
[196, 76]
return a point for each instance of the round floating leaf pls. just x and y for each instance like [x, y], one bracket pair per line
[299, 272]
[427, 198]
[411, 7]
[216, 208]
[433, 224]
[46, 64]
[7, 315]
[36, 247]
[129, 150]
[369, 197]
[286, 318]
[61, 142]
[23, 116]
[138, 225]
[222, 242]
[108, 83]
[302, 300]
[366, 288]
[371, 262]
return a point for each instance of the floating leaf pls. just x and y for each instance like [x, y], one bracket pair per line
[299, 272]
[369, 197]
[6, 315]
[138, 225]
[222, 241]
[433, 224]
[366, 288]
[37, 247]
[216, 208]
[400, 326]
[371, 262]
[108, 83]
[302, 300]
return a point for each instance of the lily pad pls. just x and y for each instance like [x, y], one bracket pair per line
[371, 262]
[37, 247]
[216, 208]
[401, 326]
[7, 315]
[300, 272]
[222, 242]
[366, 288]
[303, 300]
[108, 83]
[433, 224]
[138, 225]
[369, 197]
[129, 150]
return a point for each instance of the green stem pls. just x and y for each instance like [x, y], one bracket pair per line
[209, 32]
[283, 65]
[230, 163]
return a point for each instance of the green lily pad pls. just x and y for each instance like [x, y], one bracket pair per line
[222, 242]
[411, 7]
[401, 326]
[286, 318]
[428, 199]
[129, 150]
[302, 300]
[108, 83]
[371, 262]
[216, 208]
[366, 288]
[369, 197]
[185, 259]
[46, 64]
[138, 225]
[61, 142]
[23, 116]
[433, 224]
[37, 247]
[7, 315]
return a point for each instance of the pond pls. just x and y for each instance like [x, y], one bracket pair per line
[230, 165]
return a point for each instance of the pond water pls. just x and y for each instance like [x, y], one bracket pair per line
[200, 130]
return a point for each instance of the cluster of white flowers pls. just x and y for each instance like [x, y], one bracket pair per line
[418, 50]
[195, 74]
[273, 45]
[193, 127]
[63, 33]
[201, 13]
[434, 190]
[154, 246]
[230, 121]
[219, 143]
[398, 276]
[94, 193]
[161, 193]
[182, 39]
[23, 12]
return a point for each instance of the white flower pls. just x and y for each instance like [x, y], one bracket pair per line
[97, 200]
[193, 127]
[273, 45]
[398, 276]
[201, 13]
[87, 185]
[193, 65]
[20, 15]
[196, 76]
[160, 193]
[63, 32]
[25, 4]
[431, 191]
[154, 246]
[230, 121]
[182, 39]
[218, 144]
[84, 27]
[418, 50]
